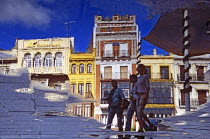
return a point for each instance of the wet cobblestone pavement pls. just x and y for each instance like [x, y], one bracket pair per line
[30, 114]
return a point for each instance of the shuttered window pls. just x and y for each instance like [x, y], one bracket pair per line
[123, 72]
[108, 72]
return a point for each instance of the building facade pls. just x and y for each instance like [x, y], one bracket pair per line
[8, 61]
[82, 81]
[160, 69]
[46, 59]
[200, 88]
[115, 40]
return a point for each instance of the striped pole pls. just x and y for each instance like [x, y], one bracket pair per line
[187, 87]
[139, 50]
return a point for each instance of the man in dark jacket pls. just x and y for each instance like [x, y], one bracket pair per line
[116, 100]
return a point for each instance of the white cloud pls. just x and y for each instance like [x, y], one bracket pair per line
[27, 12]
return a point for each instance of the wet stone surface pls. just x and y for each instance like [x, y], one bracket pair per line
[32, 117]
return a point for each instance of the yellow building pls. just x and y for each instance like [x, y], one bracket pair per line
[82, 80]
[160, 69]
[46, 59]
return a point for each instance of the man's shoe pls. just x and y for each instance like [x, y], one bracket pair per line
[140, 130]
[152, 128]
[108, 127]
[120, 129]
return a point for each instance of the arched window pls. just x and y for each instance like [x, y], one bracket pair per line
[38, 60]
[48, 62]
[58, 59]
[89, 68]
[81, 68]
[73, 69]
[27, 60]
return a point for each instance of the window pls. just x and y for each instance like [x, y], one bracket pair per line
[123, 72]
[81, 89]
[38, 60]
[164, 72]
[125, 87]
[89, 68]
[202, 98]
[48, 60]
[73, 88]
[73, 69]
[200, 73]
[148, 70]
[88, 87]
[108, 72]
[182, 101]
[161, 93]
[88, 90]
[181, 73]
[58, 59]
[81, 68]
[105, 89]
[108, 50]
[123, 49]
[108, 29]
[27, 60]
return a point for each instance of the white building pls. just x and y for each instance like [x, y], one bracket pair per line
[200, 88]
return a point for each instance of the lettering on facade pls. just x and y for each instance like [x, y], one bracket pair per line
[34, 44]
[73, 79]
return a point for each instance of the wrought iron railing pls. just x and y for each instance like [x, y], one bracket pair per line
[114, 75]
[118, 53]
[160, 76]
[193, 102]
[108, 53]
[123, 53]
[194, 77]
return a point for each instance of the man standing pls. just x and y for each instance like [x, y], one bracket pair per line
[115, 100]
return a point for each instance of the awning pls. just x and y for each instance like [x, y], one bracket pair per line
[168, 32]
[4, 56]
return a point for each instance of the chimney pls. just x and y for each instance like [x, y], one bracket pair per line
[154, 52]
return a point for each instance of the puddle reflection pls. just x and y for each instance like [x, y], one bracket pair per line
[128, 137]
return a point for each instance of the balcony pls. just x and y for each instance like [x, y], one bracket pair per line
[160, 76]
[123, 53]
[108, 53]
[119, 53]
[114, 75]
[195, 77]
[45, 70]
[193, 102]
